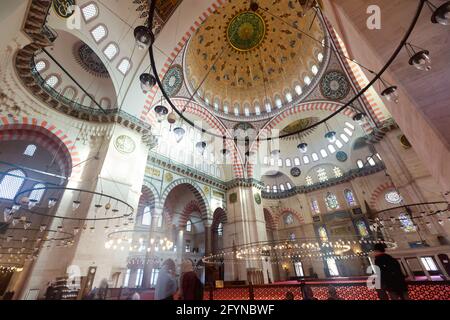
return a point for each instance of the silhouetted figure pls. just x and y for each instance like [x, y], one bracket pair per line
[191, 288]
[332, 293]
[308, 293]
[391, 276]
[166, 285]
[289, 296]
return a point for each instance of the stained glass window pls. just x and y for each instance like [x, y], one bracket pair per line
[349, 197]
[11, 184]
[315, 206]
[362, 228]
[288, 219]
[337, 172]
[292, 236]
[322, 175]
[323, 234]
[331, 201]
[406, 222]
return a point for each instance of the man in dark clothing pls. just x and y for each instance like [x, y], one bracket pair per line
[391, 277]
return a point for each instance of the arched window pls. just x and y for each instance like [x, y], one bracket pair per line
[305, 159]
[315, 157]
[296, 161]
[275, 189]
[323, 234]
[348, 131]
[348, 124]
[11, 183]
[288, 219]
[406, 222]
[322, 175]
[220, 229]
[320, 57]
[349, 197]
[298, 89]
[371, 161]
[282, 188]
[288, 163]
[189, 226]
[90, 12]
[331, 148]
[288, 97]
[69, 93]
[111, 51]
[314, 69]
[323, 153]
[41, 65]
[315, 206]
[36, 195]
[52, 81]
[360, 164]
[278, 103]
[362, 229]
[288, 185]
[345, 138]
[147, 217]
[339, 144]
[30, 150]
[307, 80]
[99, 33]
[268, 189]
[105, 103]
[280, 162]
[337, 172]
[124, 66]
[331, 201]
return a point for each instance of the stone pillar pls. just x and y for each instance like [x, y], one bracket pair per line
[245, 225]
[148, 261]
[208, 240]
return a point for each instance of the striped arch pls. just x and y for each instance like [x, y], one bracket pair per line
[378, 192]
[219, 216]
[283, 211]
[176, 51]
[32, 129]
[270, 222]
[195, 189]
[147, 199]
[191, 207]
[370, 97]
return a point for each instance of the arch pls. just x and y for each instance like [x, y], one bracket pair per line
[189, 208]
[219, 216]
[283, 211]
[147, 199]
[72, 90]
[377, 192]
[195, 189]
[270, 222]
[47, 135]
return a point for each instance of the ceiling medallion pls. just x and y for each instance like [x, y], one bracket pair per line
[341, 156]
[246, 31]
[173, 80]
[296, 172]
[334, 85]
[89, 60]
[125, 144]
[64, 8]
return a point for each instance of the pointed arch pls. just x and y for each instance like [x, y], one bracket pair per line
[283, 211]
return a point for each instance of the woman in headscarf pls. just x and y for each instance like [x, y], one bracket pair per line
[166, 285]
[191, 288]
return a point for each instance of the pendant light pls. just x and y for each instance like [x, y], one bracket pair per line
[389, 92]
[418, 57]
[440, 14]
[201, 147]
[161, 112]
[359, 118]
[148, 81]
[330, 135]
[179, 133]
[144, 37]
[303, 147]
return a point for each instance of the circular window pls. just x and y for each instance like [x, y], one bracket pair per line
[393, 197]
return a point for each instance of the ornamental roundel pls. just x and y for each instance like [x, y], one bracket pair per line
[64, 8]
[125, 144]
[246, 31]
[173, 80]
[334, 85]
[341, 156]
[296, 172]
[257, 198]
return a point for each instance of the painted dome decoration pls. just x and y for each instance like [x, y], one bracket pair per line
[89, 60]
[334, 85]
[173, 80]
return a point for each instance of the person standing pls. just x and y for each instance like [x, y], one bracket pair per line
[166, 285]
[391, 276]
[191, 288]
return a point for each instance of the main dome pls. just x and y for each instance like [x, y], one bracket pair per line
[250, 63]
